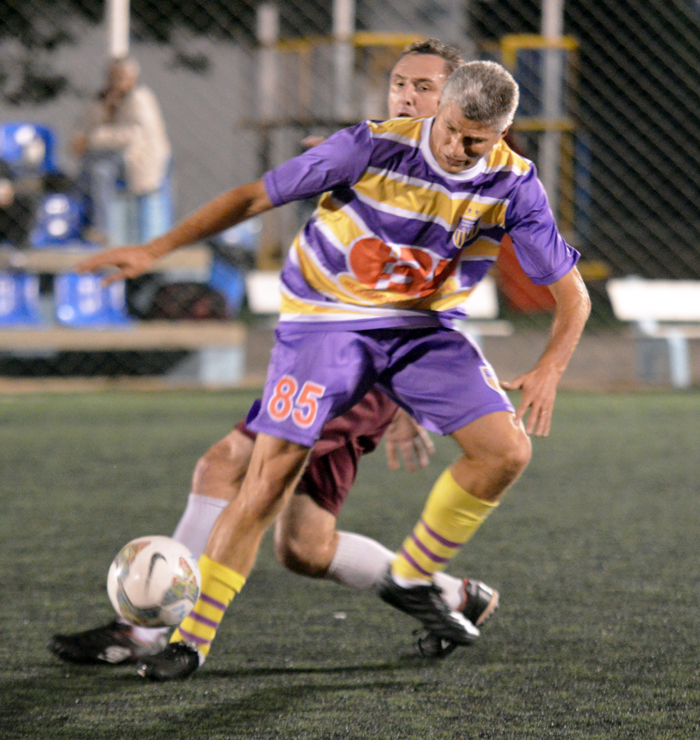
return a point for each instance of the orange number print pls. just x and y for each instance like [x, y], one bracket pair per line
[306, 406]
[304, 410]
[280, 405]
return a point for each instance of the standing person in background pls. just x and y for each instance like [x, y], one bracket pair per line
[120, 136]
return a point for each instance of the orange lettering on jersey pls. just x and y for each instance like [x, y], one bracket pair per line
[409, 271]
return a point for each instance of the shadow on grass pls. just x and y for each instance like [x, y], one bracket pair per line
[91, 702]
[402, 662]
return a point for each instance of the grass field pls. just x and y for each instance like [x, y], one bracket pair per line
[596, 552]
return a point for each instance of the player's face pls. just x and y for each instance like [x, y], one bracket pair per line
[415, 85]
[458, 143]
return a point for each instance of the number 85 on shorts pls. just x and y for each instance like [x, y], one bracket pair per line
[287, 400]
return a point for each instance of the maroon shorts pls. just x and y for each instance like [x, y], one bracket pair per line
[334, 457]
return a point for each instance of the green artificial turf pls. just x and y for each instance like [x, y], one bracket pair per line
[595, 551]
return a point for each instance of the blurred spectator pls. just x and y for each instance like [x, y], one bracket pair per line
[121, 136]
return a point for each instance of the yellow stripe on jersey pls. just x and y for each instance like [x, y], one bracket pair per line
[391, 191]
[333, 312]
[407, 128]
[503, 156]
[497, 214]
[293, 306]
[482, 248]
[341, 226]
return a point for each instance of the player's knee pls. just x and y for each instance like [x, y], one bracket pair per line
[211, 460]
[515, 457]
[222, 466]
[503, 463]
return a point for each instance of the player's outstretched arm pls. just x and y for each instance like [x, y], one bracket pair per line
[539, 386]
[226, 210]
[406, 440]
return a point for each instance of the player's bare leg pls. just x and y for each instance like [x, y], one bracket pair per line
[216, 481]
[308, 543]
[305, 537]
[274, 471]
[219, 473]
[275, 468]
[496, 450]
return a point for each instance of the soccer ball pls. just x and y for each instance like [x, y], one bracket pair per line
[154, 582]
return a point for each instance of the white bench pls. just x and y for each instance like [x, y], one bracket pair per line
[263, 291]
[666, 314]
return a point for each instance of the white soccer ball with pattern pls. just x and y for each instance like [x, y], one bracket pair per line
[154, 582]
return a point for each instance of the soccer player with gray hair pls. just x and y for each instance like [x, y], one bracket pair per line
[307, 540]
[410, 219]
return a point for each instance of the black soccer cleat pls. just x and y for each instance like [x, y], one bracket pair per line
[112, 644]
[178, 660]
[480, 602]
[429, 645]
[426, 604]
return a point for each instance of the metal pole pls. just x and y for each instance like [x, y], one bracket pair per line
[552, 103]
[268, 31]
[344, 57]
[117, 16]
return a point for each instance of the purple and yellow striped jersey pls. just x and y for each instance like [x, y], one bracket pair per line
[396, 240]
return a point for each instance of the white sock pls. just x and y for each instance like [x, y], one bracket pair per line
[359, 562]
[147, 635]
[197, 521]
[452, 589]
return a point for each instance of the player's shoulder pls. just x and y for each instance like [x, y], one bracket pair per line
[408, 129]
[503, 159]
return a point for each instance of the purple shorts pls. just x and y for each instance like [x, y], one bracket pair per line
[332, 467]
[438, 375]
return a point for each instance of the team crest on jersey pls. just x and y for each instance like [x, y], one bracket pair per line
[466, 229]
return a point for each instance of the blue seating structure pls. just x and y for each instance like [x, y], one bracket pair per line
[226, 276]
[230, 282]
[82, 300]
[59, 221]
[19, 300]
[16, 141]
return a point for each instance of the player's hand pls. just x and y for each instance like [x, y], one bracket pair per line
[129, 262]
[538, 389]
[406, 440]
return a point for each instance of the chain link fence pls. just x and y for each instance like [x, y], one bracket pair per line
[609, 112]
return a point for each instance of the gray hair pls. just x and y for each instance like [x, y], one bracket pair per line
[484, 92]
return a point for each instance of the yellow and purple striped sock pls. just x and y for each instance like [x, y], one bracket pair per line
[219, 585]
[449, 519]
